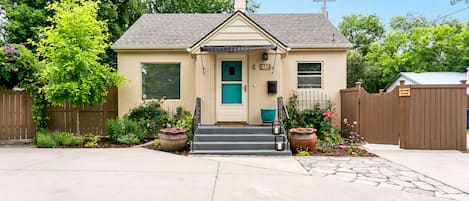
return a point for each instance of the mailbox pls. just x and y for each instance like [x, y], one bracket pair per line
[272, 87]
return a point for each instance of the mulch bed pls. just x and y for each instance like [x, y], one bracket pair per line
[105, 142]
[342, 151]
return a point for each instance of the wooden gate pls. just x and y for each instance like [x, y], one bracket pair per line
[416, 116]
[15, 115]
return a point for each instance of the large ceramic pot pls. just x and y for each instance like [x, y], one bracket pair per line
[303, 138]
[172, 139]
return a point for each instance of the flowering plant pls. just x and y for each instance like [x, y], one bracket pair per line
[18, 66]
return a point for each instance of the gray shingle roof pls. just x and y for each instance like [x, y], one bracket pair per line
[184, 30]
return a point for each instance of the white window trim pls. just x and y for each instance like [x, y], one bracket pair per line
[322, 75]
[180, 81]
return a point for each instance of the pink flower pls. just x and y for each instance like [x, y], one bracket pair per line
[327, 114]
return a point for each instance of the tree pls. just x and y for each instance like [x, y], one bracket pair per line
[355, 67]
[27, 17]
[71, 46]
[434, 48]
[361, 30]
[407, 23]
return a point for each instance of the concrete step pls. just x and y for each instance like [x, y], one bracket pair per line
[234, 130]
[235, 137]
[267, 152]
[232, 145]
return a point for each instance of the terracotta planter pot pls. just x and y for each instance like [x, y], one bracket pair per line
[172, 139]
[303, 138]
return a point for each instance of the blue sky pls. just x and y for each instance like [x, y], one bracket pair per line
[385, 9]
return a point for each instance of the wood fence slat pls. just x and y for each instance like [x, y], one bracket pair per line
[16, 115]
[432, 117]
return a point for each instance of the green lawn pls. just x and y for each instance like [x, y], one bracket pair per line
[467, 131]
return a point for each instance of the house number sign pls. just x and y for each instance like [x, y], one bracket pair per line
[404, 92]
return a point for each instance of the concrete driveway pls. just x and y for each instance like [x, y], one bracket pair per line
[450, 167]
[141, 174]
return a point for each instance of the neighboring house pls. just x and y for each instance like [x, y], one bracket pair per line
[427, 78]
[227, 61]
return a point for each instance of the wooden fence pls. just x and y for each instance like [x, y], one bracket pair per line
[92, 119]
[16, 118]
[15, 115]
[416, 116]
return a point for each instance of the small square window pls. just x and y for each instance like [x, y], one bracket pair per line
[161, 80]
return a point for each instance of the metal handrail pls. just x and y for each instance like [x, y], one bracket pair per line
[196, 116]
[283, 117]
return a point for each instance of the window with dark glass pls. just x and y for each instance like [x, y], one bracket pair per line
[161, 80]
[309, 75]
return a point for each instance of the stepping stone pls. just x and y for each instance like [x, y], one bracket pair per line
[390, 186]
[448, 189]
[418, 191]
[424, 186]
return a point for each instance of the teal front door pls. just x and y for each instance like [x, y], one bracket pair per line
[231, 90]
[231, 82]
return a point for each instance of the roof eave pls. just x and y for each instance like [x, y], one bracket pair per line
[323, 46]
[147, 47]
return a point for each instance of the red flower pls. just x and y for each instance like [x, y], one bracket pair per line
[327, 114]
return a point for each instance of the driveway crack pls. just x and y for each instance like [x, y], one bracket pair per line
[215, 182]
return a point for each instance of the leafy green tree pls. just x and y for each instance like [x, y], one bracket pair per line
[355, 67]
[361, 30]
[27, 17]
[407, 23]
[71, 47]
[433, 48]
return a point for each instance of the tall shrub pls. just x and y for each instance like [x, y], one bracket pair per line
[71, 47]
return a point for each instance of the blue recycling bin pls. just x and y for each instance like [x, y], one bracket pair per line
[467, 117]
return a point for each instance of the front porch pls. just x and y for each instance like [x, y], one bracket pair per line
[241, 139]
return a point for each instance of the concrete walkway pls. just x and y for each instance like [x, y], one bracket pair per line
[141, 174]
[450, 167]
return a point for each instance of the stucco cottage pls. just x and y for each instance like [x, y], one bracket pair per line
[236, 63]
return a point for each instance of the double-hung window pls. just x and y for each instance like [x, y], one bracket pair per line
[309, 75]
[161, 80]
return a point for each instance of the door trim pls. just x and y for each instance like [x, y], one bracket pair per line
[231, 112]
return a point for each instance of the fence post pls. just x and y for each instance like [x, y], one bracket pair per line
[358, 85]
[403, 124]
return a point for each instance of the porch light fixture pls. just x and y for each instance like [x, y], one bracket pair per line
[265, 56]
